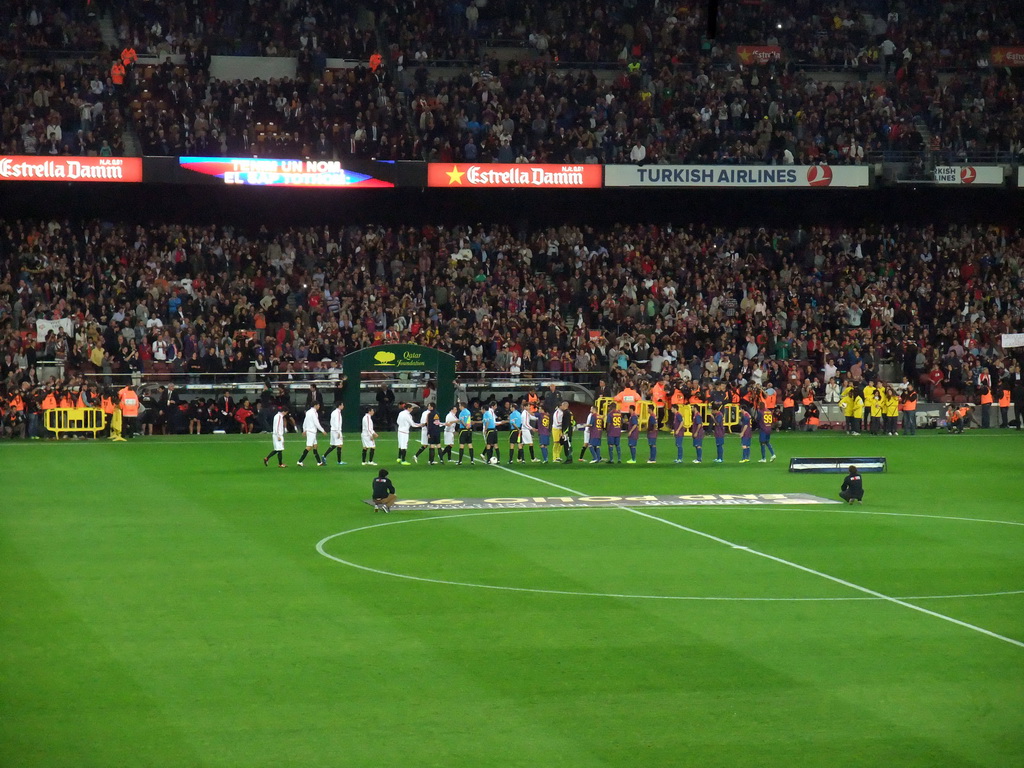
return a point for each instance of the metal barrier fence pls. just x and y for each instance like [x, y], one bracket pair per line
[66, 420]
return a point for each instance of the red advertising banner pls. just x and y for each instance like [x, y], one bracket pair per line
[511, 176]
[758, 54]
[1007, 56]
[61, 168]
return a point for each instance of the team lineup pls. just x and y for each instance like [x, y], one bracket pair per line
[530, 430]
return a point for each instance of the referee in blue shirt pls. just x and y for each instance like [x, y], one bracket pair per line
[465, 428]
[490, 426]
[515, 435]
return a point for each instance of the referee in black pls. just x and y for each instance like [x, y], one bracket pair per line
[853, 487]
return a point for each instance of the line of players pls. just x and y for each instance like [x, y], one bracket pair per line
[554, 433]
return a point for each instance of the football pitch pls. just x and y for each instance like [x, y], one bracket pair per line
[171, 602]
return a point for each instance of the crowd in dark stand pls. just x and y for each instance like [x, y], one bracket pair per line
[644, 85]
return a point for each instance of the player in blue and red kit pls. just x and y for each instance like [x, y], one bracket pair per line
[697, 430]
[544, 434]
[652, 437]
[720, 435]
[614, 429]
[678, 430]
[745, 434]
[633, 435]
[765, 419]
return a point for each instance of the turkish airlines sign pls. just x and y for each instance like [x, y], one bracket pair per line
[45, 168]
[752, 176]
[968, 174]
[513, 176]
[1007, 56]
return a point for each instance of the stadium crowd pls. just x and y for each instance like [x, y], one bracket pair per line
[798, 309]
[670, 96]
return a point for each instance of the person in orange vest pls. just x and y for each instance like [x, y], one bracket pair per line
[660, 399]
[15, 415]
[66, 401]
[107, 404]
[985, 399]
[128, 56]
[85, 398]
[117, 74]
[129, 405]
[627, 397]
[788, 412]
[48, 404]
[812, 417]
[771, 398]
[908, 405]
[957, 417]
[1004, 404]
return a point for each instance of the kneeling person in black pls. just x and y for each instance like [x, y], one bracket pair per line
[383, 492]
[853, 488]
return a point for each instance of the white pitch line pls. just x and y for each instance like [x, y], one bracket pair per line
[933, 517]
[791, 564]
[579, 593]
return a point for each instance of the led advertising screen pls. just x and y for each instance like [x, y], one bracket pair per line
[281, 173]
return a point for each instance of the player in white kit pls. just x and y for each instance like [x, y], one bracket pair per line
[311, 426]
[406, 423]
[337, 437]
[528, 428]
[277, 436]
[451, 423]
[369, 438]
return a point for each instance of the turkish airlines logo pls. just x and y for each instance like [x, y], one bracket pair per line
[967, 174]
[819, 176]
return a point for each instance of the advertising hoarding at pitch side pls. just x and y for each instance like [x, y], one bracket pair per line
[977, 175]
[1006, 56]
[513, 176]
[64, 168]
[752, 176]
[269, 172]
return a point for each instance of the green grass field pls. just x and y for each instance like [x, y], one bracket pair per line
[165, 604]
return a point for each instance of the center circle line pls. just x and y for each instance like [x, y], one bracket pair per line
[579, 593]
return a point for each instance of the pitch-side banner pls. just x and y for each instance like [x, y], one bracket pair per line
[513, 176]
[968, 174]
[752, 176]
[632, 502]
[280, 173]
[758, 54]
[63, 168]
[1007, 56]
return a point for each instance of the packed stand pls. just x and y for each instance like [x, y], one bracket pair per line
[237, 27]
[691, 115]
[33, 27]
[59, 109]
[799, 308]
[355, 112]
[957, 33]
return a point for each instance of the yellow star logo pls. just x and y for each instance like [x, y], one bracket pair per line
[455, 175]
[998, 57]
